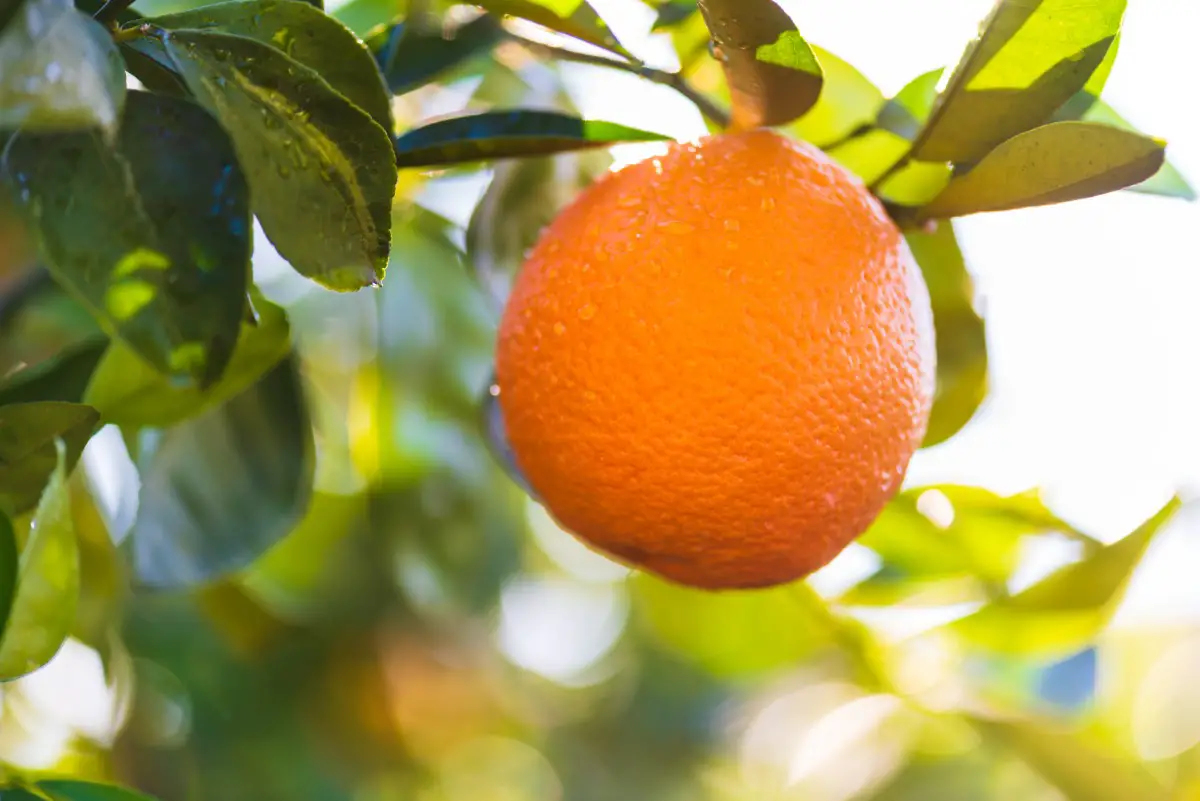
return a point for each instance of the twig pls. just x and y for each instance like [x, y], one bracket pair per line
[674, 80]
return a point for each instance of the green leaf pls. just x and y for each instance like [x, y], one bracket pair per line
[321, 171]
[28, 454]
[18, 794]
[509, 134]
[1056, 163]
[1030, 57]
[848, 101]
[411, 57]
[9, 561]
[63, 377]
[1081, 770]
[905, 113]
[220, 490]
[157, 246]
[1067, 609]
[47, 586]
[673, 12]
[128, 393]
[731, 634]
[524, 196]
[59, 70]
[575, 18]
[773, 75]
[962, 359]
[306, 34]
[71, 790]
[1167, 182]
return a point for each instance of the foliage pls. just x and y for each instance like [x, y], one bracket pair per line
[307, 529]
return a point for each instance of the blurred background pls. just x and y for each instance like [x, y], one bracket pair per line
[429, 633]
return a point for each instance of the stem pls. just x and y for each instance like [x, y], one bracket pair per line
[109, 11]
[131, 33]
[674, 80]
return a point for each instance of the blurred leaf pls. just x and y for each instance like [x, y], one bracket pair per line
[731, 634]
[509, 134]
[363, 16]
[967, 531]
[1081, 770]
[870, 154]
[9, 562]
[1029, 58]
[1056, 163]
[847, 102]
[321, 171]
[47, 586]
[411, 57]
[1167, 182]
[673, 12]
[18, 794]
[524, 197]
[28, 454]
[889, 588]
[307, 35]
[128, 393]
[962, 359]
[220, 490]
[71, 790]
[156, 245]
[59, 70]
[773, 75]
[61, 378]
[575, 18]
[915, 184]
[101, 576]
[1067, 609]
[497, 439]
[905, 113]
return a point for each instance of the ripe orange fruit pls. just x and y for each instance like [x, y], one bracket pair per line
[716, 364]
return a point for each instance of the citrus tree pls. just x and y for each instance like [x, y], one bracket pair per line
[272, 490]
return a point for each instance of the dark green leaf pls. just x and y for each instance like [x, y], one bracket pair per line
[147, 60]
[848, 101]
[71, 790]
[321, 171]
[523, 197]
[731, 634]
[157, 246]
[307, 35]
[27, 451]
[59, 70]
[18, 794]
[220, 490]
[1081, 770]
[1167, 182]
[575, 18]
[47, 586]
[509, 134]
[1064, 611]
[8, 569]
[962, 360]
[1029, 58]
[128, 393]
[412, 57]
[61, 378]
[1056, 163]
[773, 75]
[674, 12]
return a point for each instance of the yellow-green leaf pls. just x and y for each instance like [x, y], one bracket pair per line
[575, 18]
[847, 102]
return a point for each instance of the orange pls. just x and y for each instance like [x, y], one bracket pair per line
[716, 364]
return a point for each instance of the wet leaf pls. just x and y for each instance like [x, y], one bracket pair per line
[411, 57]
[321, 171]
[219, 490]
[1056, 163]
[730, 634]
[509, 134]
[63, 377]
[1030, 57]
[962, 358]
[1066, 610]
[156, 246]
[773, 75]
[306, 34]
[1168, 181]
[524, 196]
[47, 586]
[72, 790]
[575, 18]
[127, 392]
[848, 101]
[59, 70]
[1081, 770]
[28, 454]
